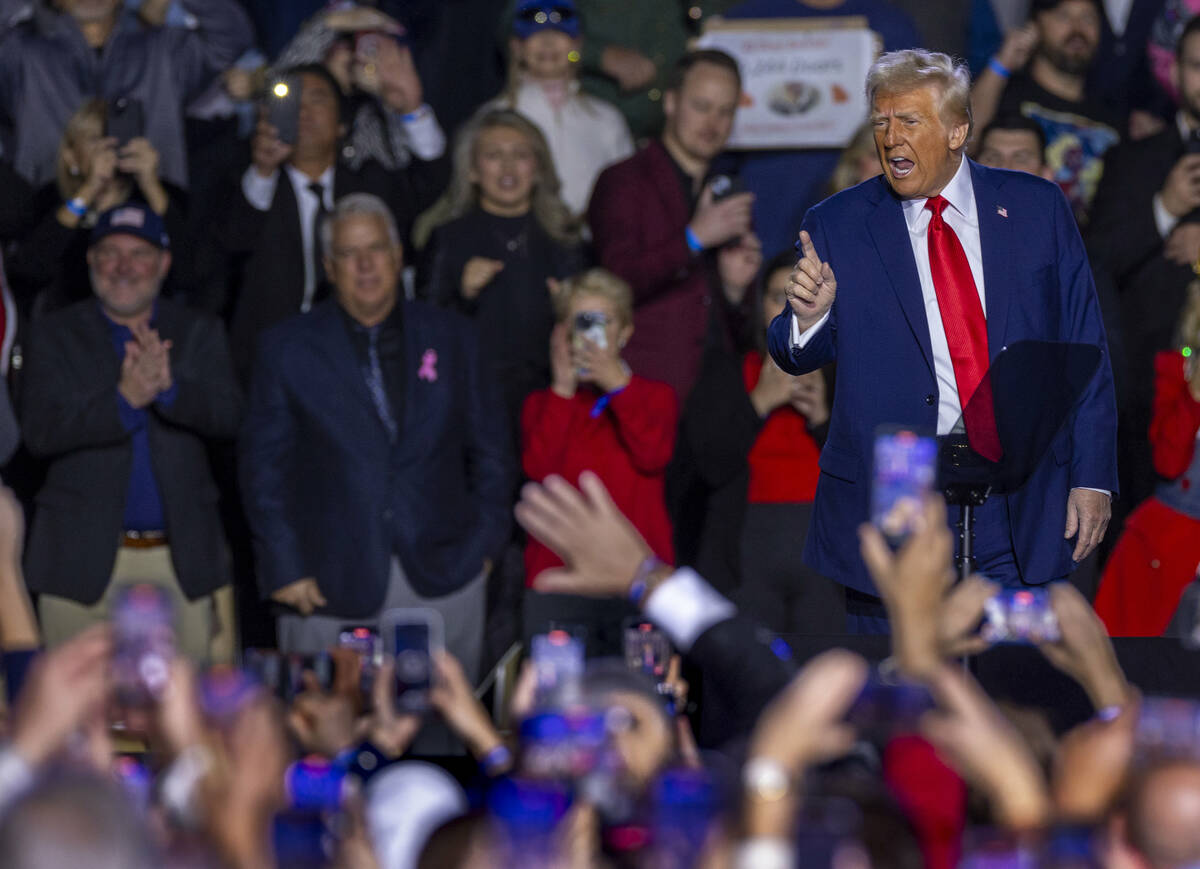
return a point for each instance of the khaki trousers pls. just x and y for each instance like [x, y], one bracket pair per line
[203, 627]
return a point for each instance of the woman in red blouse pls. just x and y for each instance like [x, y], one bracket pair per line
[1159, 550]
[598, 416]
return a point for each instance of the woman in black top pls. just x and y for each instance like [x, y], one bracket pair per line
[509, 240]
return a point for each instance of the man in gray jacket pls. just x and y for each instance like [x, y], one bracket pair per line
[59, 53]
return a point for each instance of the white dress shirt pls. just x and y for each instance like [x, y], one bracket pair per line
[684, 606]
[260, 191]
[962, 218]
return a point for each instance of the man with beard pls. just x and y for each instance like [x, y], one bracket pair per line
[679, 235]
[1041, 72]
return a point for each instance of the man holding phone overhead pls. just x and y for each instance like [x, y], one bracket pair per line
[297, 170]
[915, 281]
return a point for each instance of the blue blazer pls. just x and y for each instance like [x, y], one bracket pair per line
[1038, 286]
[328, 496]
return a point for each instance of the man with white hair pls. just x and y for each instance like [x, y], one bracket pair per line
[375, 462]
[914, 282]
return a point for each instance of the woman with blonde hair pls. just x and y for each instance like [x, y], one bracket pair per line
[95, 172]
[508, 240]
[1159, 550]
[598, 416]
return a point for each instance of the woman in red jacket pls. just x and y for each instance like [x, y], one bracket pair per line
[1159, 550]
[597, 415]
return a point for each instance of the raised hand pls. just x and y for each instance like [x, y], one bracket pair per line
[563, 377]
[774, 389]
[715, 223]
[584, 528]
[812, 286]
[1181, 191]
[477, 274]
[1019, 44]
[268, 151]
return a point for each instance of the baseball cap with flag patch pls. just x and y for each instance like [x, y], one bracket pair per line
[132, 218]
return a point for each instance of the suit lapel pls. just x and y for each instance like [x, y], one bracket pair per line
[890, 234]
[416, 341]
[996, 246]
[334, 344]
[293, 238]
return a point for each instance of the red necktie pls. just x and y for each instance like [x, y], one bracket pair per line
[966, 331]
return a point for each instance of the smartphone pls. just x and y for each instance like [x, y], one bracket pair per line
[266, 666]
[143, 621]
[412, 637]
[905, 469]
[367, 644]
[1167, 728]
[224, 692]
[884, 709]
[1020, 615]
[648, 651]
[283, 107]
[125, 120]
[136, 781]
[558, 662]
[724, 186]
[591, 326]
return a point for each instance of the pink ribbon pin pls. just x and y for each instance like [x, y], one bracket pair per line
[428, 369]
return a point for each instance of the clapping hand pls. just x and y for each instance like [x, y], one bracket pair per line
[146, 368]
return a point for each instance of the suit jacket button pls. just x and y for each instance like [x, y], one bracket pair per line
[930, 399]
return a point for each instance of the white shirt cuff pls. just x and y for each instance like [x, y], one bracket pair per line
[764, 853]
[423, 133]
[1163, 219]
[16, 775]
[259, 191]
[685, 606]
[800, 339]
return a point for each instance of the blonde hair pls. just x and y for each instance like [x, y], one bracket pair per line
[87, 122]
[899, 72]
[595, 282]
[547, 206]
[1189, 318]
[845, 173]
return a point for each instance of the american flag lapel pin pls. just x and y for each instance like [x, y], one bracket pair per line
[1002, 211]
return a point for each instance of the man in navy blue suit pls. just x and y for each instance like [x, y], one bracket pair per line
[914, 282]
[375, 461]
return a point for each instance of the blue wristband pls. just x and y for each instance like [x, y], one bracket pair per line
[693, 243]
[496, 762]
[998, 68]
[76, 206]
[416, 114]
[637, 588]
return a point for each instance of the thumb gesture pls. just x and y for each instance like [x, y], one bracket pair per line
[812, 286]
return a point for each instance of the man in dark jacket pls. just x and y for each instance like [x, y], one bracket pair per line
[375, 461]
[123, 395]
